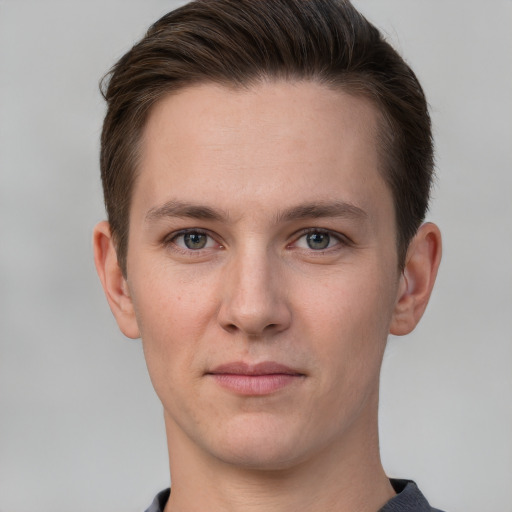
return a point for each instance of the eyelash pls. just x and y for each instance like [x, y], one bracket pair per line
[171, 241]
[342, 240]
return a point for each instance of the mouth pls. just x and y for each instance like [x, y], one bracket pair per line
[255, 380]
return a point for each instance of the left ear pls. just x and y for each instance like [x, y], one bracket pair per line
[417, 279]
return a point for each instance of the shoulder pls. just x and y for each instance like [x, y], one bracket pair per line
[160, 501]
[408, 498]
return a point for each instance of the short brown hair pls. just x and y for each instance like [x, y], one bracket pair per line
[240, 42]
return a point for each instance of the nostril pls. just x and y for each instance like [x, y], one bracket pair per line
[231, 328]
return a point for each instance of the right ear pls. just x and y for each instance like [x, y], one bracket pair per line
[113, 282]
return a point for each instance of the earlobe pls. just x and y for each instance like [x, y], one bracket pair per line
[113, 282]
[417, 279]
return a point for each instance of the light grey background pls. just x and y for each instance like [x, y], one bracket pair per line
[80, 427]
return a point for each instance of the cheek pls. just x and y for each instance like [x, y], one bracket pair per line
[173, 311]
[170, 301]
[349, 318]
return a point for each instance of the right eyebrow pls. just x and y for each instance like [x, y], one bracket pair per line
[182, 209]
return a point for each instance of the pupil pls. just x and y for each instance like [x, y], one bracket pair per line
[318, 240]
[195, 240]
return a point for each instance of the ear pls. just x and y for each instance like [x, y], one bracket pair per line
[417, 279]
[113, 281]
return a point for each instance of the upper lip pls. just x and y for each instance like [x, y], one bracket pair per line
[264, 368]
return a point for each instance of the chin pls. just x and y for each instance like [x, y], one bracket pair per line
[256, 458]
[261, 446]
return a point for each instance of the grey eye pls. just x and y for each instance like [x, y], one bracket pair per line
[195, 240]
[318, 241]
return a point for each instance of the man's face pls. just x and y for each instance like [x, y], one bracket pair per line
[263, 271]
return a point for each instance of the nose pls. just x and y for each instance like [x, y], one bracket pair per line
[254, 296]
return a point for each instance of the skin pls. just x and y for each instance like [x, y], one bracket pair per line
[264, 177]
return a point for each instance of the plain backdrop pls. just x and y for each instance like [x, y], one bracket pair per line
[80, 426]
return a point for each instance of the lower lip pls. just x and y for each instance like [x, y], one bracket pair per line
[255, 385]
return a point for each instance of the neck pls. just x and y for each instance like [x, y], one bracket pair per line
[345, 476]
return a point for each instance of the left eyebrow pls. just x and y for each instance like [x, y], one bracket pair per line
[321, 209]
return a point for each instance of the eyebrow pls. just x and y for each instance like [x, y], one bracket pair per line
[322, 209]
[312, 210]
[185, 210]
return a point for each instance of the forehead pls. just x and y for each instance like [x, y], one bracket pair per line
[271, 111]
[214, 144]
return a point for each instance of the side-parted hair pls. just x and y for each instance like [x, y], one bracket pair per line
[238, 43]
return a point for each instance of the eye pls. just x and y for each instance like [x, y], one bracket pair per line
[317, 240]
[193, 240]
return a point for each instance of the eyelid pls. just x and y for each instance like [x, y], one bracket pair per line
[343, 240]
[170, 238]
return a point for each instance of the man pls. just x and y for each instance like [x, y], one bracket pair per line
[266, 168]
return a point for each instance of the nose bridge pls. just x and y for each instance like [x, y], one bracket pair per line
[254, 300]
